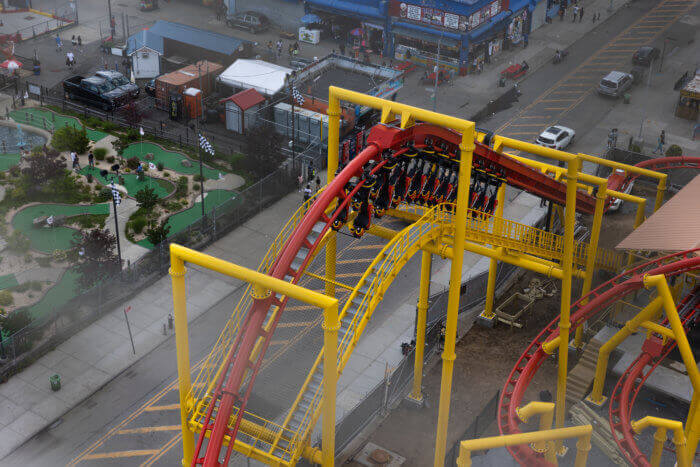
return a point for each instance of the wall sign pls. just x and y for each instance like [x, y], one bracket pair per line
[439, 18]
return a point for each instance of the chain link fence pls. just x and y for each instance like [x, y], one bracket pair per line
[62, 16]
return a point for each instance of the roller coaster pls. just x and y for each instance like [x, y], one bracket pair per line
[448, 181]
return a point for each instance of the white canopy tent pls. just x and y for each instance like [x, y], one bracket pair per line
[266, 78]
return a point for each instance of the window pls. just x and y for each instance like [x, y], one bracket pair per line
[562, 136]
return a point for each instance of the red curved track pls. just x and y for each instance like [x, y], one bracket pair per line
[232, 393]
[599, 298]
[632, 381]
[618, 181]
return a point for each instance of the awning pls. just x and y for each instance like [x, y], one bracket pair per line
[426, 34]
[493, 25]
[674, 227]
[341, 6]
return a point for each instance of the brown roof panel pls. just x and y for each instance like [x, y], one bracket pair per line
[674, 227]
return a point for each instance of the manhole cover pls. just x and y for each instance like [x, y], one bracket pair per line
[28, 18]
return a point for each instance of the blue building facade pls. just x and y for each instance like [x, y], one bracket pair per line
[466, 32]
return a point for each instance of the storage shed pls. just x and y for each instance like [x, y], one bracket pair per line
[188, 77]
[242, 110]
[145, 50]
[266, 78]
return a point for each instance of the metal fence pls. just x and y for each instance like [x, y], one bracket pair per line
[63, 16]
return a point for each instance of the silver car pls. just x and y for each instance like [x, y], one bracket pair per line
[615, 84]
[119, 80]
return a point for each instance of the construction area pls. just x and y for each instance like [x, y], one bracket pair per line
[587, 355]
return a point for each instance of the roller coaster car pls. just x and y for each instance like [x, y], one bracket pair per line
[363, 220]
[341, 219]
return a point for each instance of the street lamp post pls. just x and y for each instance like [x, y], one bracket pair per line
[437, 74]
[116, 201]
[111, 23]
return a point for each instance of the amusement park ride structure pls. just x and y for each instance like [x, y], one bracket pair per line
[448, 180]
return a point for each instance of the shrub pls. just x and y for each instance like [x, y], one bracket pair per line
[105, 194]
[109, 126]
[181, 188]
[635, 148]
[166, 174]
[196, 187]
[160, 166]
[6, 299]
[69, 138]
[43, 261]
[156, 233]
[121, 180]
[93, 122]
[138, 223]
[15, 171]
[89, 178]
[133, 162]
[100, 153]
[110, 159]
[198, 178]
[674, 151]
[18, 242]
[147, 198]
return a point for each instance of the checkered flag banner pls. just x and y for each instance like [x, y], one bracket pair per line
[204, 144]
[296, 95]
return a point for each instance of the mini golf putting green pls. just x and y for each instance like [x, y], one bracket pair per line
[57, 296]
[8, 160]
[47, 239]
[7, 281]
[33, 117]
[179, 222]
[171, 160]
[131, 182]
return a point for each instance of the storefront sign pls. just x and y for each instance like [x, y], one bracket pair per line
[426, 15]
[515, 28]
[483, 15]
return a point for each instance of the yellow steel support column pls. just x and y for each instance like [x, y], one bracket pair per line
[692, 426]
[664, 424]
[422, 315]
[330, 380]
[448, 355]
[660, 192]
[546, 412]
[177, 272]
[592, 251]
[333, 138]
[573, 166]
[487, 316]
[638, 220]
[648, 313]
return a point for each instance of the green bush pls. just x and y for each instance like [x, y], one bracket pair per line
[6, 299]
[160, 166]
[93, 122]
[196, 187]
[105, 194]
[674, 151]
[13, 322]
[181, 188]
[69, 138]
[100, 153]
[138, 223]
[88, 177]
[110, 159]
[166, 174]
[147, 198]
[635, 148]
[18, 242]
[43, 261]
[109, 126]
[198, 178]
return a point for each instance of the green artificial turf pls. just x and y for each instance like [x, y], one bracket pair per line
[33, 117]
[171, 160]
[8, 160]
[7, 281]
[131, 182]
[57, 296]
[48, 239]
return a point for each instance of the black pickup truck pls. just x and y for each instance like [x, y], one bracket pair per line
[94, 91]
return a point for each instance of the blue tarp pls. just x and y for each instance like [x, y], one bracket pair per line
[144, 39]
[207, 40]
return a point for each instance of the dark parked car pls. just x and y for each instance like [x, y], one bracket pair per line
[150, 87]
[645, 55]
[249, 21]
[119, 81]
[94, 91]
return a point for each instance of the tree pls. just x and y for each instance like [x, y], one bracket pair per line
[15, 321]
[262, 150]
[156, 233]
[147, 198]
[97, 259]
[70, 138]
[43, 166]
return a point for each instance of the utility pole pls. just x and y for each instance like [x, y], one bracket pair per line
[116, 201]
[641, 124]
[437, 74]
[196, 123]
[111, 23]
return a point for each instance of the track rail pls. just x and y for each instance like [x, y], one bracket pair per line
[618, 180]
[598, 299]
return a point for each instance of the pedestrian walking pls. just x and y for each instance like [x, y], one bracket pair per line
[59, 44]
[526, 40]
[91, 159]
[290, 50]
[342, 47]
[660, 142]
[318, 183]
[218, 12]
[580, 14]
[307, 192]
[575, 14]
[73, 41]
[279, 48]
[300, 179]
[80, 43]
[561, 13]
[310, 171]
[74, 160]
[296, 49]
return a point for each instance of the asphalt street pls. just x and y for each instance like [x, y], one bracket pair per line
[134, 419]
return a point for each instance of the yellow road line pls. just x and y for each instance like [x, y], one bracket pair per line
[121, 454]
[165, 448]
[156, 408]
[521, 133]
[527, 124]
[148, 429]
[560, 100]
[535, 116]
[557, 108]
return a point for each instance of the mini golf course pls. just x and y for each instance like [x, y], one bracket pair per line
[7, 281]
[131, 182]
[7, 161]
[180, 221]
[170, 159]
[65, 290]
[35, 117]
[48, 239]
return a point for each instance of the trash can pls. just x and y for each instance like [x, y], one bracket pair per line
[626, 98]
[55, 381]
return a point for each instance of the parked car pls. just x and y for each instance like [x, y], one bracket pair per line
[119, 81]
[615, 83]
[150, 87]
[645, 55]
[556, 137]
[249, 21]
[94, 91]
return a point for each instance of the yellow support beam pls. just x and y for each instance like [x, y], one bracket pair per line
[546, 412]
[487, 316]
[421, 319]
[662, 425]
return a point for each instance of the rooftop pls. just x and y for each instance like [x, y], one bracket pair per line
[201, 38]
[143, 39]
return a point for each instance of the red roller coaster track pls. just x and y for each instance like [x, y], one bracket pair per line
[599, 298]
[230, 391]
[617, 180]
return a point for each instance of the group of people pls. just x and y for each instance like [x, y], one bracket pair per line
[277, 49]
[576, 12]
[75, 161]
[76, 43]
[311, 175]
